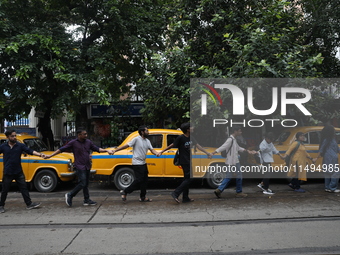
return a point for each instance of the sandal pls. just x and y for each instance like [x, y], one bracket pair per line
[146, 199]
[123, 195]
[174, 197]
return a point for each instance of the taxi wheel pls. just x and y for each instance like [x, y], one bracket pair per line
[123, 178]
[214, 179]
[45, 181]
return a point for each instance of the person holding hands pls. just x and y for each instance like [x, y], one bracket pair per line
[12, 169]
[140, 144]
[184, 143]
[81, 147]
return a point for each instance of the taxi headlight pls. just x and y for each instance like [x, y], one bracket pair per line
[70, 165]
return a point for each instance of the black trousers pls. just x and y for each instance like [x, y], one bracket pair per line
[266, 177]
[141, 180]
[20, 181]
[184, 186]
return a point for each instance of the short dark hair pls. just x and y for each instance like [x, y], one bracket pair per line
[141, 128]
[9, 132]
[235, 128]
[298, 134]
[270, 136]
[185, 127]
[80, 130]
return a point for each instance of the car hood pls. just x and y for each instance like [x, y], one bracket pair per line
[62, 156]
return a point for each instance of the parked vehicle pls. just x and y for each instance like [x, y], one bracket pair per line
[312, 142]
[119, 165]
[43, 174]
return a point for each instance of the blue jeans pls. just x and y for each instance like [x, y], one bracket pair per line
[83, 184]
[229, 176]
[20, 181]
[331, 181]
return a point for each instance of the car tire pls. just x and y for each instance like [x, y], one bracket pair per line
[123, 178]
[214, 179]
[45, 181]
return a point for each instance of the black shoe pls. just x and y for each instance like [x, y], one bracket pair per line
[89, 202]
[68, 199]
[188, 200]
[217, 193]
[2, 209]
[32, 206]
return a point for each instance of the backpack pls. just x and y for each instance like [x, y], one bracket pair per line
[176, 158]
[224, 152]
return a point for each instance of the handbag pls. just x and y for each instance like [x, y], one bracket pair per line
[176, 158]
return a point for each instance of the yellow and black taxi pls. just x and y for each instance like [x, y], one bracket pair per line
[44, 174]
[312, 142]
[119, 165]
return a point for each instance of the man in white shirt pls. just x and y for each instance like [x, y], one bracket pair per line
[232, 162]
[140, 144]
[267, 149]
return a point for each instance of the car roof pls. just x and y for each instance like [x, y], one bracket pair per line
[22, 136]
[153, 131]
[306, 129]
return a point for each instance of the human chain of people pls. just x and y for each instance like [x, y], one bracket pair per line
[296, 167]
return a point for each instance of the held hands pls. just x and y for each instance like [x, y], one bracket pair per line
[252, 152]
[111, 152]
[282, 157]
[43, 156]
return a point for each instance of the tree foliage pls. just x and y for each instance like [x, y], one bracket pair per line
[250, 39]
[57, 55]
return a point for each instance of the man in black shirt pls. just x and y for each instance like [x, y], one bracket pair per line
[184, 143]
[12, 169]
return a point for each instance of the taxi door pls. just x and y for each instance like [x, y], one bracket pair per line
[155, 164]
[170, 169]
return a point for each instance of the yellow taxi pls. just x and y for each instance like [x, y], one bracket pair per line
[119, 165]
[312, 142]
[44, 174]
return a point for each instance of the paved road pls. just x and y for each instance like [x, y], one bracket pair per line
[285, 223]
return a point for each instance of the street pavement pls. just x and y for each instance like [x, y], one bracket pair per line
[284, 223]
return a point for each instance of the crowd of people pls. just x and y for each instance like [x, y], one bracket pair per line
[296, 155]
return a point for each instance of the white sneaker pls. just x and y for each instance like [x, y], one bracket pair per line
[328, 190]
[268, 192]
[260, 186]
[336, 191]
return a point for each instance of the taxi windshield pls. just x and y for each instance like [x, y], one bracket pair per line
[35, 144]
[282, 137]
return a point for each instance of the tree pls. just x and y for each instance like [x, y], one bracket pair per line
[229, 39]
[321, 29]
[44, 66]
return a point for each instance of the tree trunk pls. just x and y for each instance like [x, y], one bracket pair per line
[45, 129]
